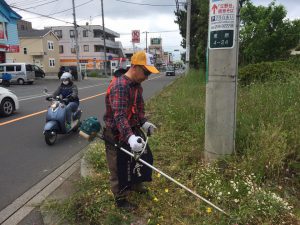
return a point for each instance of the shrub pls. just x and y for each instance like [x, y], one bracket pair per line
[265, 71]
[95, 73]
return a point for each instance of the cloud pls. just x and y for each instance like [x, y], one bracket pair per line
[292, 7]
[119, 16]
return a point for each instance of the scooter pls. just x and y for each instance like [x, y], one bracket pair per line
[56, 120]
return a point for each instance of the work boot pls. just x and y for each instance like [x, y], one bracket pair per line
[122, 203]
[139, 188]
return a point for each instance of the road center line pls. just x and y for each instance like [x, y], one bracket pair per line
[43, 111]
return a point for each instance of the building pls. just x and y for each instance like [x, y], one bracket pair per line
[24, 25]
[9, 40]
[167, 58]
[155, 48]
[91, 46]
[39, 47]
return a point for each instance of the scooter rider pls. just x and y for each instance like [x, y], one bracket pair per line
[69, 92]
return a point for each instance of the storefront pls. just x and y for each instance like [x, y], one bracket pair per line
[9, 40]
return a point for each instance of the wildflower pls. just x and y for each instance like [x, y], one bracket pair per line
[158, 175]
[155, 199]
[208, 210]
[236, 200]
[166, 190]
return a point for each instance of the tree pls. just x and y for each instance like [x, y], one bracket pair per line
[198, 35]
[265, 35]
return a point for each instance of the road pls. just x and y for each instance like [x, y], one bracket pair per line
[25, 159]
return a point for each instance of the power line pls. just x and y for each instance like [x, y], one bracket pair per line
[27, 2]
[65, 10]
[135, 3]
[41, 4]
[152, 32]
[41, 15]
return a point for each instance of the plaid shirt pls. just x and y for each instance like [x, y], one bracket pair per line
[119, 100]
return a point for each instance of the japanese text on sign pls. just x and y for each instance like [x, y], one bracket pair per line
[222, 23]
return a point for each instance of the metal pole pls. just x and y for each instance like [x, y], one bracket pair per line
[104, 37]
[76, 42]
[188, 31]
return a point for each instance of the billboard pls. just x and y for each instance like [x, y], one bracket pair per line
[155, 41]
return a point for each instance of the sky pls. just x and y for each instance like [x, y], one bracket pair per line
[122, 16]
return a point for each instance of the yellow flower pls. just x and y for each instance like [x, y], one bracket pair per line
[208, 210]
[158, 175]
[155, 199]
[166, 190]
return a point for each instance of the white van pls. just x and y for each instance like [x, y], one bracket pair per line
[21, 72]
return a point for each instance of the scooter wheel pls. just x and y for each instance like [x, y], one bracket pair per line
[50, 137]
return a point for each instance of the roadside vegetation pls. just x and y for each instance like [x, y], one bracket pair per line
[259, 184]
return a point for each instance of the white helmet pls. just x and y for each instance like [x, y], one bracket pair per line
[66, 75]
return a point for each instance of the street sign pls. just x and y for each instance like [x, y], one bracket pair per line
[222, 23]
[135, 36]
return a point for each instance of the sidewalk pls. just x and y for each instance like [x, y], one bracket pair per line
[38, 217]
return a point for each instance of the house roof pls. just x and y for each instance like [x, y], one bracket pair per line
[34, 33]
[8, 12]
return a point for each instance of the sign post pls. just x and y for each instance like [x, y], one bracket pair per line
[220, 109]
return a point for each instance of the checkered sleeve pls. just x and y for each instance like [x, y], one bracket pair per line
[119, 101]
[140, 107]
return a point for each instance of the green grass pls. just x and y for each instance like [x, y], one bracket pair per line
[258, 185]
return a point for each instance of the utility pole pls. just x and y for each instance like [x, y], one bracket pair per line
[146, 40]
[76, 43]
[188, 31]
[104, 37]
[221, 89]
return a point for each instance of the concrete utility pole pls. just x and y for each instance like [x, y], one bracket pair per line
[146, 40]
[221, 89]
[188, 31]
[76, 42]
[104, 37]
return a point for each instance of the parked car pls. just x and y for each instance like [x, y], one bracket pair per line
[21, 73]
[38, 72]
[70, 69]
[170, 71]
[8, 102]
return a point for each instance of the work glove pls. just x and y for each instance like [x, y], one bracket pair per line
[136, 143]
[149, 128]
